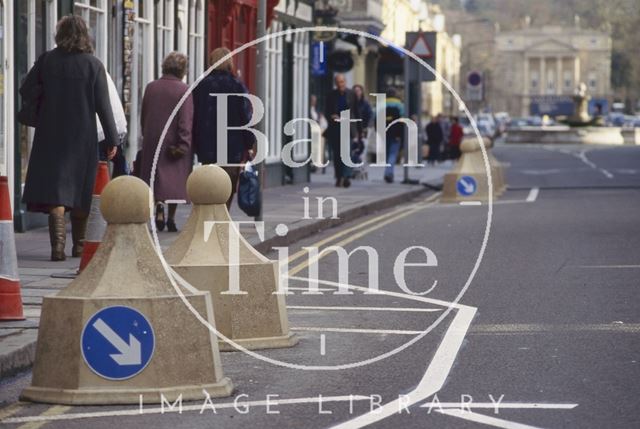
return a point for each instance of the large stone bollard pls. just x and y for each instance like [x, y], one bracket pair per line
[467, 181]
[120, 333]
[256, 319]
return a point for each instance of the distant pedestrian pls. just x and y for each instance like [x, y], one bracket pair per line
[318, 116]
[340, 99]
[395, 133]
[364, 113]
[71, 87]
[435, 136]
[222, 80]
[175, 158]
[455, 139]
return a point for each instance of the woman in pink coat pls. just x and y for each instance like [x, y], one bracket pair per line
[175, 160]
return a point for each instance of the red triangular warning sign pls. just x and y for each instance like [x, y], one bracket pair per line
[421, 48]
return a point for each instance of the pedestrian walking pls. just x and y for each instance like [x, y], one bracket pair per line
[66, 88]
[455, 139]
[340, 99]
[365, 114]
[435, 136]
[175, 159]
[394, 110]
[222, 80]
[319, 118]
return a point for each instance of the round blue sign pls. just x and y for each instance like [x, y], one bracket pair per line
[117, 342]
[467, 186]
[474, 79]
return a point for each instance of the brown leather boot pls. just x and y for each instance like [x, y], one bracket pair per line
[58, 236]
[78, 232]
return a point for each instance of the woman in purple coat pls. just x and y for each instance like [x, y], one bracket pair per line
[175, 159]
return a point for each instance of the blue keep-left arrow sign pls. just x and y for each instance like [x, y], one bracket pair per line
[117, 342]
[467, 186]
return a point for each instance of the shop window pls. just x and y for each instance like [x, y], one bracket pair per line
[95, 14]
[165, 29]
[197, 52]
[142, 65]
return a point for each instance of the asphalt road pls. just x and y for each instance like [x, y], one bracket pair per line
[546, 322]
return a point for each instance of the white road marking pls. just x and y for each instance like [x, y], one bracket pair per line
[533, 195]
[535, 328]
[606, 173]
[487, 420]
[501, 406]
[470, 203]
[398, 309]
[437, 371]
[356, 330]
[323, 344]
[609, 266]
[135, 411]
[306, 289]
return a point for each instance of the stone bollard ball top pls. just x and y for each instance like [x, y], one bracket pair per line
[126, 199]
[470, 145]
[209, 184]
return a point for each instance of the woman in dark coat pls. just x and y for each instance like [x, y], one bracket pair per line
[221, 80]
[64, 157]
[175, 159]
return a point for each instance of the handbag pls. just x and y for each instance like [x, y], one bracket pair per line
[32, 94]
[249, 199]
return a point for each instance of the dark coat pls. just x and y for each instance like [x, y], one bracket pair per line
[435, 136]
[332, 132]
[205, 118]
[64, 156]
[160, 99]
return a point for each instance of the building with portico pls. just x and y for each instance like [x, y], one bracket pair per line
[538, 69]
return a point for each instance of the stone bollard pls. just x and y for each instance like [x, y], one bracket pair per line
[120, 333]
[467, 181]
[497, 169]
[256, 319]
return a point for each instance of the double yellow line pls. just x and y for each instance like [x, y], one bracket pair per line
[357, 231]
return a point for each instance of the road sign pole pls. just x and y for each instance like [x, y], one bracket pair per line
[407, 111]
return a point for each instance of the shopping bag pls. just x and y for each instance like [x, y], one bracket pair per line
[249, 191]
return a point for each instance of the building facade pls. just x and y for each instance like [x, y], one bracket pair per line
[538, 70]
[131, 37]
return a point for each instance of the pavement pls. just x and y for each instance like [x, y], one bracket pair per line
[282, 205]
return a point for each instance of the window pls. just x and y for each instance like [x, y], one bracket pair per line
[273, 103]
[95, 13]
[300, 92]
[165, 29]
[141, 70]
[196, 39]
[568, 81]
[551, 82]
[534, 79]
[593, 82]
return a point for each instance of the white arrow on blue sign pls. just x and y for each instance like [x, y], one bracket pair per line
[467, 186]
[117, 342]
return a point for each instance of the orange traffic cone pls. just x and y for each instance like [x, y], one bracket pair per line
[95, 224]
[10, 299]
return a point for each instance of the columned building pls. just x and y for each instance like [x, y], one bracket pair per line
[538, 70]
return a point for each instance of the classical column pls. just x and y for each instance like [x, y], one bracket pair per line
[576, 71]
[559, 80]
[526, 91]
[543, 78]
